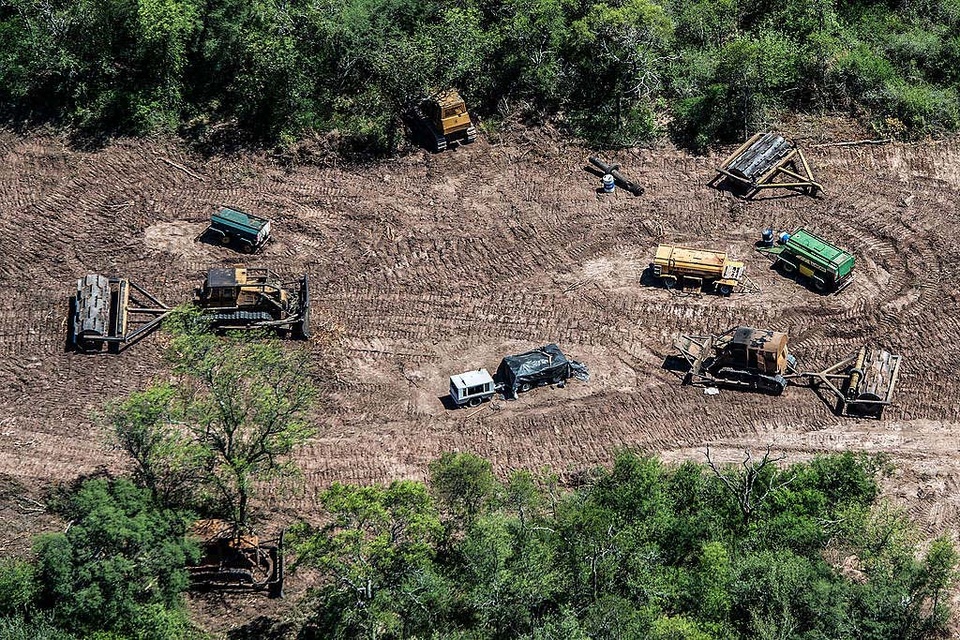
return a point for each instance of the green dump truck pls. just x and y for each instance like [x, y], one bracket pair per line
[826, 266]
[240, 229]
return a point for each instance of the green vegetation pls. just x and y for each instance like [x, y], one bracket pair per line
[614, 72]
[116, 572]
[229, 417]
[234, 413]
[641, 550]
[638, 551]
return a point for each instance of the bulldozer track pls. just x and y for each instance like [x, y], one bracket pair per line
[428, 265]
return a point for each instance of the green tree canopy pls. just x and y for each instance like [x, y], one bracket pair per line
[118, 567]
[235, 412]
[641, 549]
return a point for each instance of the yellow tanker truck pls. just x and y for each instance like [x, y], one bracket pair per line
[695, 268]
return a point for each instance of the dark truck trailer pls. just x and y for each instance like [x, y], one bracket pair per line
[543, 366]
[245, 231]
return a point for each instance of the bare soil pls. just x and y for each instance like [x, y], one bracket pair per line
[430, 265]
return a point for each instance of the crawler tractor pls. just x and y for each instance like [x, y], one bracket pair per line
[741, 357]
[862, 383]
[236, 563]
[442, 119]
[248, 297]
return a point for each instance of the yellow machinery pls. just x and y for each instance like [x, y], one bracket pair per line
[863, 383]
[117, 312]
[236, 562]
[250, 297]
[443, 118]
[741, 357]
[694, 268]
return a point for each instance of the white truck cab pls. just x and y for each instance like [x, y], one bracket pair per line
[471, 387]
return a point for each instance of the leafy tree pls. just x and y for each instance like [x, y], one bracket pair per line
[168, 462]
[17, 587]
[37, 628]
[622, 49]
[235, 413]
[464, 482]
[118, 567]
[639, 550]
[377, 553]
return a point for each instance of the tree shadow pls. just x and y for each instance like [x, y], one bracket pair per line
[263, 627]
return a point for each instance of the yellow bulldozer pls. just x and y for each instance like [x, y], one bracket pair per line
[442, 119]
[251, 297]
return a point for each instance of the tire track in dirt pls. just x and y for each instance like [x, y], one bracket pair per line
[431, 264]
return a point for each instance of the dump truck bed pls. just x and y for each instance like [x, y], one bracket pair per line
[692, 259]
[239, 220]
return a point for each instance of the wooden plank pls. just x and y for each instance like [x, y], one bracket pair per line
[737, 178]
[806, 167]
[853, 143]
[785, 185]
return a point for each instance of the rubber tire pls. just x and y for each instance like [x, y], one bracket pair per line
[819, 285]
[474, 402]
[725, 290]
[246, 247]
[787, 267]
[525, 387]
[226, 239]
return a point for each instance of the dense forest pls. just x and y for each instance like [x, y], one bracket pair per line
[613, 72]
[641, 550]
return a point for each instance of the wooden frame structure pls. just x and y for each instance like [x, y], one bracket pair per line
[757, 163]
[105, 309]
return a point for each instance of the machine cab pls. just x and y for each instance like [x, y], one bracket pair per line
[471, 387]
[221, 288]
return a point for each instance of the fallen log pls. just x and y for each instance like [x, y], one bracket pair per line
[618, 177]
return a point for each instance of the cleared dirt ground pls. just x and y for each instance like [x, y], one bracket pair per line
[430, 265]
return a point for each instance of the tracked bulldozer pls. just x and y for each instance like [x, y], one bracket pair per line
[236, 563]
[442, 119]
[249, 297]
[862, 383]
[741, 357]
[117, 312]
